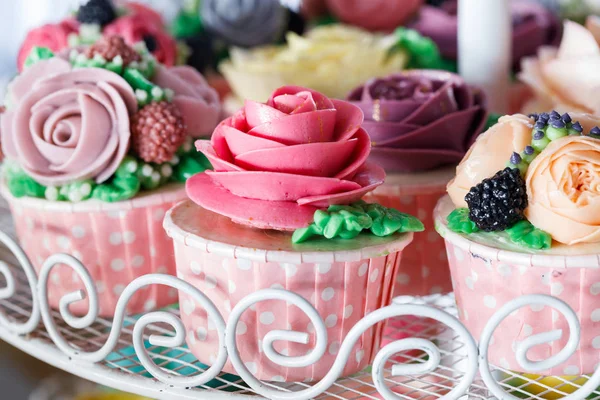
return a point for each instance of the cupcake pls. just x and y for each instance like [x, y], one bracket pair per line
[566, 78]
[533, 26]
[421, 124]
[282, 209]
[98, 143]
[521, 218]
[134, 22]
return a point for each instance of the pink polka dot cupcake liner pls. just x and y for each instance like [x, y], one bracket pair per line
[486, 278]
[230, 262]
[424, 269]
[117, 242]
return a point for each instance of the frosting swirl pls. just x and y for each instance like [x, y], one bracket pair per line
[66, 125]
[314, 60]
[489, 154]
[563, 187]
[196, 100]
[567, 78]
[275, 164]
[52, 36]
[533, 26]
[244, 23]
[143, 24]
[374, 15]
[420, 120]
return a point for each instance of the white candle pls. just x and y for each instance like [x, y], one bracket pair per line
[485, 48]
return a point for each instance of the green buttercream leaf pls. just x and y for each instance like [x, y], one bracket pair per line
[119, 188]
[459, 221]
[424, 53]
[22, 185]
[37, 54]
[524, 234]
[347, 222]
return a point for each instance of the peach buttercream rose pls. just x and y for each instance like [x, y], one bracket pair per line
[563, 187]
[489, 154]
[567, 78]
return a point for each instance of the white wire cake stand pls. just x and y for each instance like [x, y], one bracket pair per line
[430, 354]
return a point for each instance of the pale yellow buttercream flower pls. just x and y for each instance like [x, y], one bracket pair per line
[331, 59]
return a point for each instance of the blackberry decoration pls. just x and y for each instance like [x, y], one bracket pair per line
[99, 12]
[498, 203]
[157, 131]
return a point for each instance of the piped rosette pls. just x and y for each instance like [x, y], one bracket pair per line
[421, 119]
[277, 163]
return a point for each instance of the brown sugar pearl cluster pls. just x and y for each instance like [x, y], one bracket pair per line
[111, 47]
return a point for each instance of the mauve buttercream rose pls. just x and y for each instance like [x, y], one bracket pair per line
[563, 188]
[489, 154]
[53, 36]
[198, 102]
[275, 164]
[65, 125]
[567, 78]
[420, 120]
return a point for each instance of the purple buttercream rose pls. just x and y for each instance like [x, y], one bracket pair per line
[533, 26]
[420, 119]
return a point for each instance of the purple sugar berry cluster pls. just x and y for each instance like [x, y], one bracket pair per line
[547, 127]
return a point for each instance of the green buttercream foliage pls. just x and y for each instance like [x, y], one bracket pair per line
[37, 54]
[492, 120]
[146, 92]
[19, 183]
[423, 52]
[524, 234]
[347, 222]
[459, 221]
[131, 177]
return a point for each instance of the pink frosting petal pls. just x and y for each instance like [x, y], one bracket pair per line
[197, 101]
[359, 157]
[368, 178]
[349, 119]
[6, 123]
[23, 83]
[219, 165]
[240, 142]
[280, 215]
[310, 127]
[322, 102]
[274, 186]
[295, 104]
[313, 159]
[258, 113]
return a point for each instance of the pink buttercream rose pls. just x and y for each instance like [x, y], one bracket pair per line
[374, 15]
[489, 154]
[275, 164]
[66, 125]
[198, 102]
[567, 78]
[136, 26]
[563, 187]
[53, 36]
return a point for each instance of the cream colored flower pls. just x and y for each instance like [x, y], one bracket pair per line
[331, 59]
